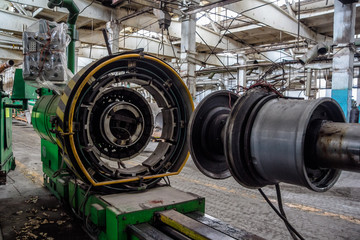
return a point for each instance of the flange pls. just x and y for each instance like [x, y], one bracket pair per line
[206, 130]
[237, 137]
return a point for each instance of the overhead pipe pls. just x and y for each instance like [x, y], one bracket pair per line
[6, 65]
[212, 83]
[319, 49]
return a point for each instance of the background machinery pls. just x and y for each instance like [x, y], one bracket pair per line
[7, 161]
[18, 100]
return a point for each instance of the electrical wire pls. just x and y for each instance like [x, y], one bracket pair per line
[86, 7]
[281, 208]
[280, 215]
[212, 52]
[232, 21]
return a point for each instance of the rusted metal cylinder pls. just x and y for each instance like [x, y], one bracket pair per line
[338, 146]
[6, 65]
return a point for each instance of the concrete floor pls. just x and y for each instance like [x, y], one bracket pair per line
[331, 215]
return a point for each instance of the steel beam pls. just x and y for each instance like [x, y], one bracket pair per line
[37, 11]
[150, 46]
[211, 37]
[14, 22]
[273, 16]
[10, 40]
[95, 10]
[8, 54]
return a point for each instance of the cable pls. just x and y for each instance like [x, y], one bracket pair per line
[86, 7]
[232, 21]
[212, 52]
[280, 215]
[76, 15]
[281, 208]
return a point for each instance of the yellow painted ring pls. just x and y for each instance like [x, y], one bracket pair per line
[72, 110]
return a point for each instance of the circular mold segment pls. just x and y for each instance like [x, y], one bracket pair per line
[104, 123]
[121, 123]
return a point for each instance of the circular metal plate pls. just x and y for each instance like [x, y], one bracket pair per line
[206, 133]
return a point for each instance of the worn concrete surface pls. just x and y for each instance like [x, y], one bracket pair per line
[27, 209]
[331, 215]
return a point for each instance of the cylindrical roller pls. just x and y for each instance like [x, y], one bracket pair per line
[43, 112]
[281, 142]
[237, 137]
[270, 139]
[338, 146]
[206, 130]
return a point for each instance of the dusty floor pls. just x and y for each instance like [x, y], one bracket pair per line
[331, 215]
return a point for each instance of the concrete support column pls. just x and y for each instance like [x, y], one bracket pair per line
[308, 83]
[188, 52]
[113, 28]
[241, 72]
[343, 60]
[358, 87]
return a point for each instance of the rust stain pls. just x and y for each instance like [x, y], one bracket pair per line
[156, 201]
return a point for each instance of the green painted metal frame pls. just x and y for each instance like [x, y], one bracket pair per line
[7, 160]
[22, 93]
[111, 223]
[21, 90]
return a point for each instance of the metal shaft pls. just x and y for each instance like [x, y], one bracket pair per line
[6, 65]
[338, 146]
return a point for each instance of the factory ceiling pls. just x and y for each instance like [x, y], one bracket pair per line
[226, 27]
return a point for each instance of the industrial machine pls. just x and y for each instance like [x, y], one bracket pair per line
[21, 93]
[263, 138]
[101, 158]
[7, 161]
[98, 149]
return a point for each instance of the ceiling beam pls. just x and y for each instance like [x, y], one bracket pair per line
[95, 10]
[274, 17]
[11, 54]
[133, 42]
[37, 11]
[10, 40]
[14, 22]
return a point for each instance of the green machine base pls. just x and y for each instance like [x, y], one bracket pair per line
[158, 213]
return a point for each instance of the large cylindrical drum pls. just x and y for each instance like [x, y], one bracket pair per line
[43, 115]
